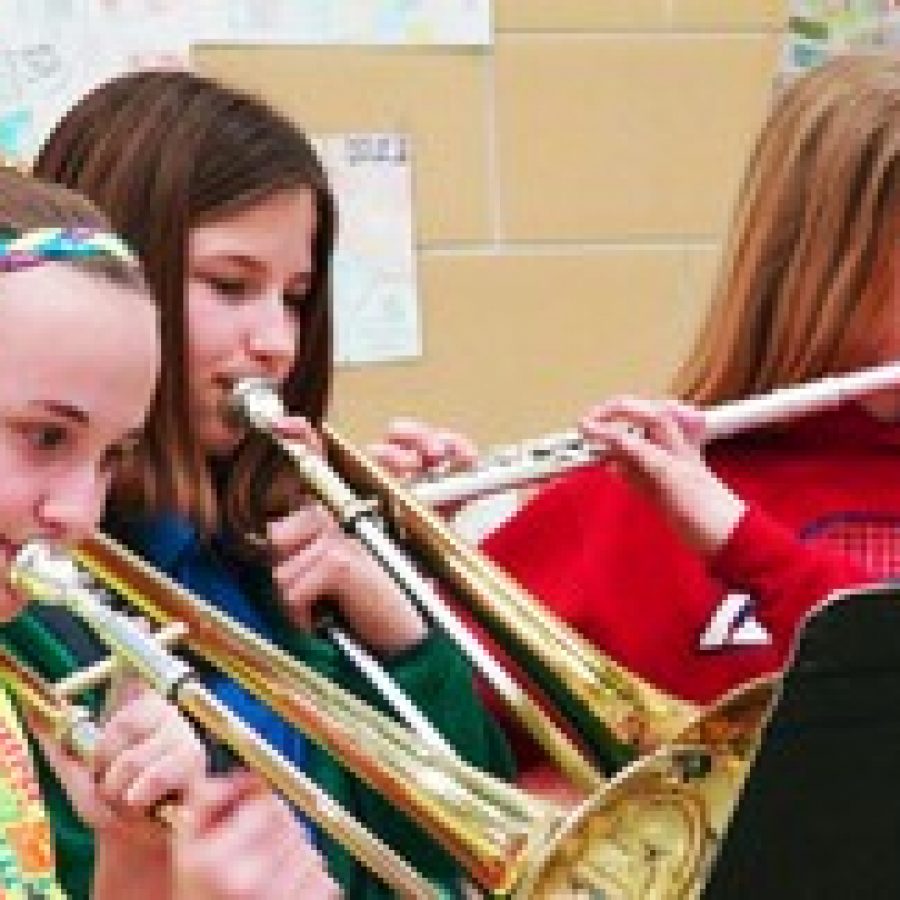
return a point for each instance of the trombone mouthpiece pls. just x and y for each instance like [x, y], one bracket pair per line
[44, 572]
[256, 401]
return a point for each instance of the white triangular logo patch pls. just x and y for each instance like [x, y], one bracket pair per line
[734, 625]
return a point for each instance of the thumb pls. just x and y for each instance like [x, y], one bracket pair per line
[692, 422]
[75, 775]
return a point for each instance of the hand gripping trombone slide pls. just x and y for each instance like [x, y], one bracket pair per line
[614, 711]
[258, 405]
[70, 724]
[650, 834]
[49, 576]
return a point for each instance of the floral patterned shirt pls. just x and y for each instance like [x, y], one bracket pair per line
[26, 847]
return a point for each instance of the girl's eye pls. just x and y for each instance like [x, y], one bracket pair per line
[46, 437]
[230, 288]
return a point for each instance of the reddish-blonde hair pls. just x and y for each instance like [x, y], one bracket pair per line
[809, 269]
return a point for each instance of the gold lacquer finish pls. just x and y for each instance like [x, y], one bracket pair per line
[653, 833]
[617, 703]
[650, 833]
[48, 575]
[38, 696]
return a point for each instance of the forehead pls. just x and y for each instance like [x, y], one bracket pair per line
[73, 336]
[280, 226]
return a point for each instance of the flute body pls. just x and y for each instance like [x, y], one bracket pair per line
[538, 459]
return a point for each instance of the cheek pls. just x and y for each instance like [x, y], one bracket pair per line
[19, 494]
[17, 506]
[213, 334]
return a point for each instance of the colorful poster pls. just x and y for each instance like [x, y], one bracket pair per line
[384, 22]
[59, 49]
[821, 28]
[376, 304]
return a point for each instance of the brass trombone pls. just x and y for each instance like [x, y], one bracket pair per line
[651, 833]
[256, 403]
[49, 576]
[616, 712]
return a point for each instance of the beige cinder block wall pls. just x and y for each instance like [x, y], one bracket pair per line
[572, 183]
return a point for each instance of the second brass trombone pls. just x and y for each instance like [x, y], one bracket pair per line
[617, 713]
[650, 834]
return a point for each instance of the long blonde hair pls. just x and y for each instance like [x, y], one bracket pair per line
[808, 272]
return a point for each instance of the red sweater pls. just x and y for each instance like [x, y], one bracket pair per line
[823, 500]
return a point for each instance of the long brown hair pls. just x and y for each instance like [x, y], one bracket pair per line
[808, 268]
[163, 152]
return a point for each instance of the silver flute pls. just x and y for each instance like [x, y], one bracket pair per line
[537, 459]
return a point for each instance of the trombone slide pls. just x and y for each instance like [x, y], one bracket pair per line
[53, 578]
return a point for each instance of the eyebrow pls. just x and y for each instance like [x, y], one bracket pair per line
[236, 258]
[239, 259]
[64, 411]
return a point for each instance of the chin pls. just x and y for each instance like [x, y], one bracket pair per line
[219, 438]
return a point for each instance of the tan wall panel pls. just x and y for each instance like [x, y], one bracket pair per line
[583, 15]
[591, 15]
[702, 262]
[437, 95]
[625, 136]
[733, 13]
[518, 345]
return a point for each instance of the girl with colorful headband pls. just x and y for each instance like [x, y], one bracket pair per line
[77, 375]
[232, 215]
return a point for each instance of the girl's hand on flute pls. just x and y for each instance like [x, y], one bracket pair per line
[656, 445]
[411, 448]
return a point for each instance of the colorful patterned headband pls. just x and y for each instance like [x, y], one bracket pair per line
[40, 245]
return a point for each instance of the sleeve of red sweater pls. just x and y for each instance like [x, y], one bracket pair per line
[787, 576]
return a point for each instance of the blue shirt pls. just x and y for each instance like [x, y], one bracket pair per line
[172, 545]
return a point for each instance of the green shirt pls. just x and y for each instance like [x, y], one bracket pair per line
[433, 674]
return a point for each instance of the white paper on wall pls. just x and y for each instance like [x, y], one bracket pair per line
[450, 22]
[60, 49]
[375, 294]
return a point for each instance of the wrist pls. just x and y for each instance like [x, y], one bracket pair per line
[134, 868]
[722, 517]
[392, 624]
[150, 846]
